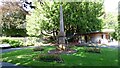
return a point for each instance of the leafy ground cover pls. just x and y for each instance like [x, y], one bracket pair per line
[26, 57]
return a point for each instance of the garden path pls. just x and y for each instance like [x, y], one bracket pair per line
[10, 65]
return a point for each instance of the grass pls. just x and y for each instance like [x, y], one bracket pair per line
[25, 57]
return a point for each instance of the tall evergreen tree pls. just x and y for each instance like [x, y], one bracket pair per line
[79, 17]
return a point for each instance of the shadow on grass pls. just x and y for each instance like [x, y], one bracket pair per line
[25, 57]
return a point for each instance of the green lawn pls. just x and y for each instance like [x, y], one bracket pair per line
[108, 57]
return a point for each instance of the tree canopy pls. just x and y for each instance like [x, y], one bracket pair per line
[110, 20]
[79, 17]
[13, 19]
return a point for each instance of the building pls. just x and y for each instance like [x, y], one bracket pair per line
[101, 37]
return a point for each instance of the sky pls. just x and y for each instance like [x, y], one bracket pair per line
[110, 5]
[0, 2]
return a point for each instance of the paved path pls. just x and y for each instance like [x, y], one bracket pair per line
[13, 49]
[10, 65]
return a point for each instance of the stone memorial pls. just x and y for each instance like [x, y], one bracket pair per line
[62, 48]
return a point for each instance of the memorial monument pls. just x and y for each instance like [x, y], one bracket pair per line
[61, 33]
[61, 47]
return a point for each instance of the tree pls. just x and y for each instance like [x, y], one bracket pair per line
[77, 19]
[110, 20]
[34, 21]
[13, 19]
[116, 34]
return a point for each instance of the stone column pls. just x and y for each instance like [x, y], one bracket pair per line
[61, 34]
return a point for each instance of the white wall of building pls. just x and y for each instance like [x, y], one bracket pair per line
[96, 38]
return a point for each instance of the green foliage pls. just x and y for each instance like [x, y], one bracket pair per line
[50, 57]
[14, 19]
[116, 34]
[13, 23]
[13, 43]
[31, 41]
[77, 19]
[34, 21]
[27, 41]
[15, 32]
[5, 41]
[49, 40]
[110, 20]
[80, 20]
[38, 48]
[93, 50]
[81, 58]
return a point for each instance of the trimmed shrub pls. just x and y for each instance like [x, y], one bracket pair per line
[13, 43]
[29, 44]
[50, 58]
[38, 48]
[93, 49]
[5, 41]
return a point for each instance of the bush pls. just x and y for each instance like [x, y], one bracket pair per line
[49, 40]
[49, 58]
[29, 44]
[5, 41]
[93, 49]
[15, 32]
[13, 43]
[38, 48]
